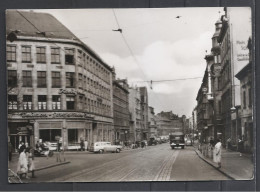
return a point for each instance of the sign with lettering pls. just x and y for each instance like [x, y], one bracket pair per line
[50, 115]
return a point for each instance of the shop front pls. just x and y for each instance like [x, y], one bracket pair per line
[20, 131]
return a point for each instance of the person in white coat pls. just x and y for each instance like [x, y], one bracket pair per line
[217, 153]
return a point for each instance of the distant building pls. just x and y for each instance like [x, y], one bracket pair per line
[168, 122]
[152, 126]
[246, 91]
[121, 110]
[57, 85]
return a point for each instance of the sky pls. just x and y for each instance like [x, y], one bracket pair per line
[154, 45]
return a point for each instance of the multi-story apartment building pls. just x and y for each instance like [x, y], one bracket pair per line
[121, 110]
[204, 109]
[233, 57]
[144, 112]
[57, 85]
[135, 114]
[211, 93]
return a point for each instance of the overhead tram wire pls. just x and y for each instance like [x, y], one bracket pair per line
[131, 52]
[168, 80]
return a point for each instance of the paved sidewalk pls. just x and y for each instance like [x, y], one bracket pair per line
[232, 165]
[39, 162]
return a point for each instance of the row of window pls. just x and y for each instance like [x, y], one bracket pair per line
[83, 60]
[120, 94]
[87, 105]
[42, 102]
[121, 122]
[121, 109]
[83, 81]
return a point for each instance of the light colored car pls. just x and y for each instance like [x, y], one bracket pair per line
[101, 147]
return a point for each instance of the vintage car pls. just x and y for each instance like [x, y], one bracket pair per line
[101, 147]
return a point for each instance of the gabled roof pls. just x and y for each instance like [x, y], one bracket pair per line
[23, 21]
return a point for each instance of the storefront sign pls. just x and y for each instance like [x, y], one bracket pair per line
[70, 92]
[54, 115]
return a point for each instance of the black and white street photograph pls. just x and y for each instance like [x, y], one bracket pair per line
[130, 95]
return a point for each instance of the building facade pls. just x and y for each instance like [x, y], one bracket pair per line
[144, 112]
[57, 85]
[152, 126]
[121, 110]
[135, 114]
[167, 123]
[246, 92]
[233, 57]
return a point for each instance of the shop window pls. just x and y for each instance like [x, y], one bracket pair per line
[56, 102]
[55, 55]
[73, 135]
[42, 100]
[11, 53]
[69, 79]
[69, 56]
[56, 79]
[41, 79]
[27, 102]
[26, 54]
[41, 54]
[49, 134]
[70, 101]
[12, 101]
[12, 78]
[27, 79]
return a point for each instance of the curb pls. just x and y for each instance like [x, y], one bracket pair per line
[53, 165]
[221, 170]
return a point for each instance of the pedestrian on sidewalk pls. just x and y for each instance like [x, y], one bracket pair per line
[22, 165]
[82, 144]
[229, 144]
[217, 153]
[240, 146]
[21, 147]
[31, 166]
[59, 151]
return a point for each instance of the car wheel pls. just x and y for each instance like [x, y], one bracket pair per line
[117, 150]
[101, 151]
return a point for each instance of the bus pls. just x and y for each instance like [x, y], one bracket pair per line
[177, 140]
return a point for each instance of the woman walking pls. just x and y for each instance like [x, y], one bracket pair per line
[22, 166]
[217, 153]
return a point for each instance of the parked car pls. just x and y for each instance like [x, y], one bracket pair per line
[152, 141]
[159, 140]
[101, 147]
